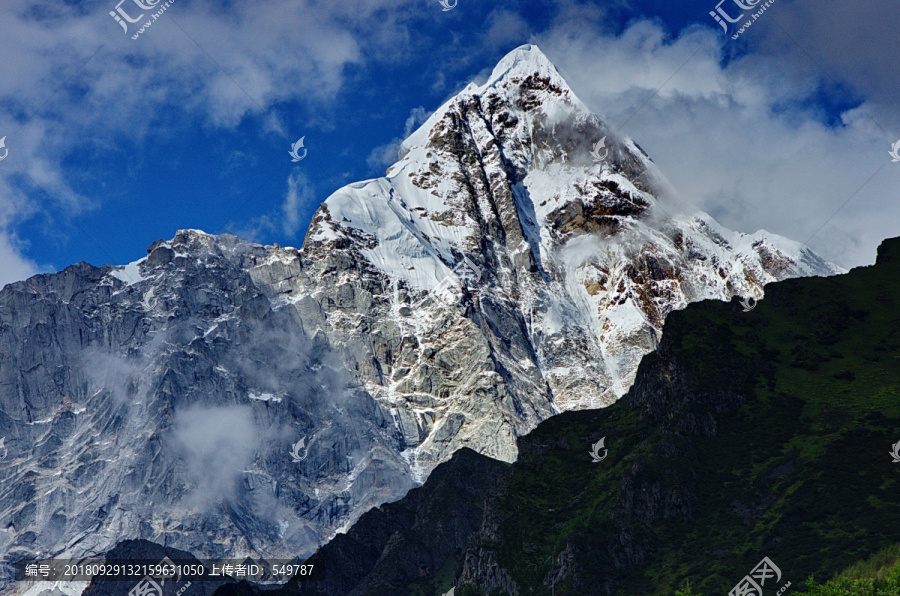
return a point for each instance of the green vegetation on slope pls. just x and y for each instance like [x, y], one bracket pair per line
[879, 576]
[747, 435]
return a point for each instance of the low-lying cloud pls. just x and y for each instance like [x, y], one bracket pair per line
[215, 445]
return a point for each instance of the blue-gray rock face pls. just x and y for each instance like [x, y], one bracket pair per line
[169, 409]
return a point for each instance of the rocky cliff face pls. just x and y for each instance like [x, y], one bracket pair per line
[227, 398]
[511, 274]
[168, 407]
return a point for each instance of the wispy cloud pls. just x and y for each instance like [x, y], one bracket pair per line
[13, 266]
[386, 155]
[79, 84]
[299, 194]
[215, 443]
[745, 138]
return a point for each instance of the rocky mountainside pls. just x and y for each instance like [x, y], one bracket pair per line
[227, 398]
[499, 235]
[744, 436]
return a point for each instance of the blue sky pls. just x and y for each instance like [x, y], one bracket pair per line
[116, 142]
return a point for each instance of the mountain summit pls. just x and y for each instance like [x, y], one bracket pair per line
[227, 398]
[572, 262]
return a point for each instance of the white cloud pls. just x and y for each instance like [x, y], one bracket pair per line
[736, 137]
[846, 41]
[387, 155]
[299, 195]
[733, 135]
[506, 27]
[78, 82]
[13, 266]
[216, 443]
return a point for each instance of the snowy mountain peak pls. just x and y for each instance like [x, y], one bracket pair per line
[569, 223]
[524, 80]
[525, 61]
